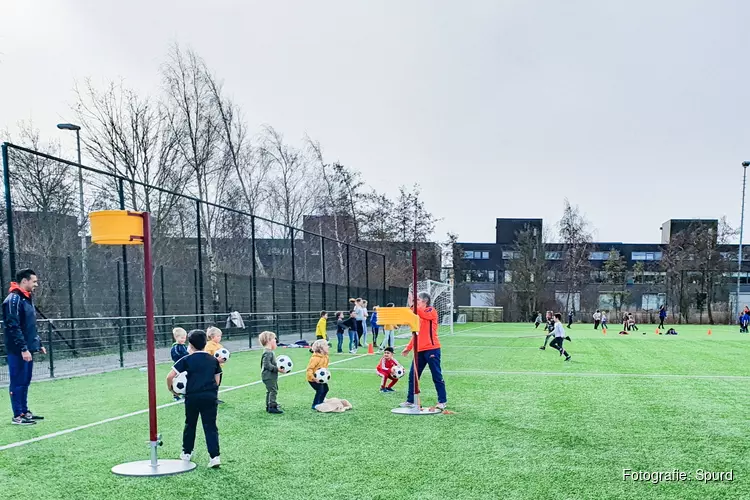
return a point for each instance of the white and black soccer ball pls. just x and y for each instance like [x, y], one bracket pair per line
[284, 363]
[398, 371]
[322, 375]
[179, 383]
[222, 355]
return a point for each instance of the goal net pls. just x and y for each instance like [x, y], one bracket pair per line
[442, 300]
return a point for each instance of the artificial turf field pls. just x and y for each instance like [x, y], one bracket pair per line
[526, 425]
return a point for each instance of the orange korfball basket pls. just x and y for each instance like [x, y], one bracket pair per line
[116, 227]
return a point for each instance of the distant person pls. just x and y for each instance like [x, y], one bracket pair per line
[559, 334]
[321, 327]
[571, 314]
[360, 314]
[597, 319]
[604, 320]
[662, 315]
[374, 327]
[538, 320]
[270, 371]
[21, 341]
[550, 327]
[179, 349]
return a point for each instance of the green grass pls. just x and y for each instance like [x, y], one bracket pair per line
[526, 425]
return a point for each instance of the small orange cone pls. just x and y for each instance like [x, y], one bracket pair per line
[604, 331]
[657, 331]
[709, 331]
[369, 349]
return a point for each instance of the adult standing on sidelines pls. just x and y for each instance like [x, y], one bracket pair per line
[21, 341]
[428, 351]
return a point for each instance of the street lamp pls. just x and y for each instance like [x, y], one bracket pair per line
[745, 164]
[82, 214]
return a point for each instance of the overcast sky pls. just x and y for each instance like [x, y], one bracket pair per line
[637, 111]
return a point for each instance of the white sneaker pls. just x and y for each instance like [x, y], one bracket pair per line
[214, 463]
[185, 457]
[406, 404]
[440, 406]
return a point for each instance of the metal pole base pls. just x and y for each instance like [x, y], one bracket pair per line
[144, 468]
[416, 411]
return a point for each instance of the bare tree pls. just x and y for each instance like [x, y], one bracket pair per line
[575, 236]
[529, 270]
[615, 269]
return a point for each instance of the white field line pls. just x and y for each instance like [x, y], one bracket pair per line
[573, 374]
[141, 412]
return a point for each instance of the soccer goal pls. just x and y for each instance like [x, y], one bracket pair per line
[442, 300]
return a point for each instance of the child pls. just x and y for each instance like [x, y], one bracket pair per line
[213, 345]
[214, 340]
[387, 363]
[340, 327]
[597, 319]
[320, 329]
[662, 315]
[559, 334]
[571, 314]
[203, 372]
[269, 371]
[745, 320]
[550, 327]
[179, 349]
[604, 320]
[388, 340]
[374, 325]
[538, 321]
[319, 359]
[631, 323]
[351, 324]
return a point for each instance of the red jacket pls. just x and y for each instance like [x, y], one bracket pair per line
[386, 365]
[427, 339]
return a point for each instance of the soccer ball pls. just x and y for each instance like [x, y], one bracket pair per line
[398, 371]
[222, 355]
[179, 383]
[322, 375]
[284, 363]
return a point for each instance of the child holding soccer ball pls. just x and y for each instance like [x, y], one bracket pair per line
[213, 345]
[319, 359]
[270, 371]
[203, 375]
[385, 370]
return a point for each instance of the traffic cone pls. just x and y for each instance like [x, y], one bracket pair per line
[657, 332]
[604, 331]
[709, 331]
[369, 349]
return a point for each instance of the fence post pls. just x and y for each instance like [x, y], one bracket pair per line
[348, 284]
[226, 292]
[253, 250]
[309, 296]
[200, 256]
[195, 294]
[9, 212]
[125, 276]
[70, 305]
[120, 343]
[336, 296]
[295, 319]
[49, 350]
[384, 299]
[367, 272]
[323, 264]
[2, 271]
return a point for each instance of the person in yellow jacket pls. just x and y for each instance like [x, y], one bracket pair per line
[213, 345]
[319, 359]
[320, 329]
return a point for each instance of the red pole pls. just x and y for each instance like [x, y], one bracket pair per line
[150, 334]
[414, 334]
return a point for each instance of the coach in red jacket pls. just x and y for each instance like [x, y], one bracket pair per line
[428, 351]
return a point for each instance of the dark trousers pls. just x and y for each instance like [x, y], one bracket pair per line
[340, 338]
[375, 331]
[431, 358]
[596, 324]
[557, 343]
[272, 389]
[320, 393]
[546, 339]
[206, 408]
[20, 380]
[360, 332]
[661, 322]
[570, 322]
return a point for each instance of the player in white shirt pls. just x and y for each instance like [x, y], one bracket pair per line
[559, 333]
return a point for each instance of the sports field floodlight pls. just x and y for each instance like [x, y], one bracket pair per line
[123, 227]
[745, 164]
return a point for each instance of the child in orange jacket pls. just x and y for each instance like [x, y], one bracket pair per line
[319, 359]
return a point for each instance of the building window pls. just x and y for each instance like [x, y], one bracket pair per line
[508, 255]
[652, 301]
[491, 275]
[553, 255]
[485, 255]
[645, 256]
[599, 256]
[480, 276]
[508, 276]
[468, 254]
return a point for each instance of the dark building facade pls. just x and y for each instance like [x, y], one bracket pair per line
[484, 276]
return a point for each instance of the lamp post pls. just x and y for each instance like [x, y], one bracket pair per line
[745, 164]
[82, 211]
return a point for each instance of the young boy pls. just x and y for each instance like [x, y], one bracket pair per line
[319, 359]
[550, 327]
[538, 321]
[214, 344]
[269, 371]
[340, 327]
[374, 327]
[203, 372]
[386, 364]
[559, 334]
[571, 314]
[179, 349]
[320, 329]
[631, 323]
[604, 320]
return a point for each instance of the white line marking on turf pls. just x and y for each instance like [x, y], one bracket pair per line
[141, 412]
[573, 374]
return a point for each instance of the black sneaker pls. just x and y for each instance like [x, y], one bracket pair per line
[277, 411]
[219, 401]
[568, 339]
[567, 358]
[31, 416]
[543, 348]
[22, 420]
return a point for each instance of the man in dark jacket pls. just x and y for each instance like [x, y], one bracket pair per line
[21, 340]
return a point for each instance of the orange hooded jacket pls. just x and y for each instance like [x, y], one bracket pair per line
[427, 339]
